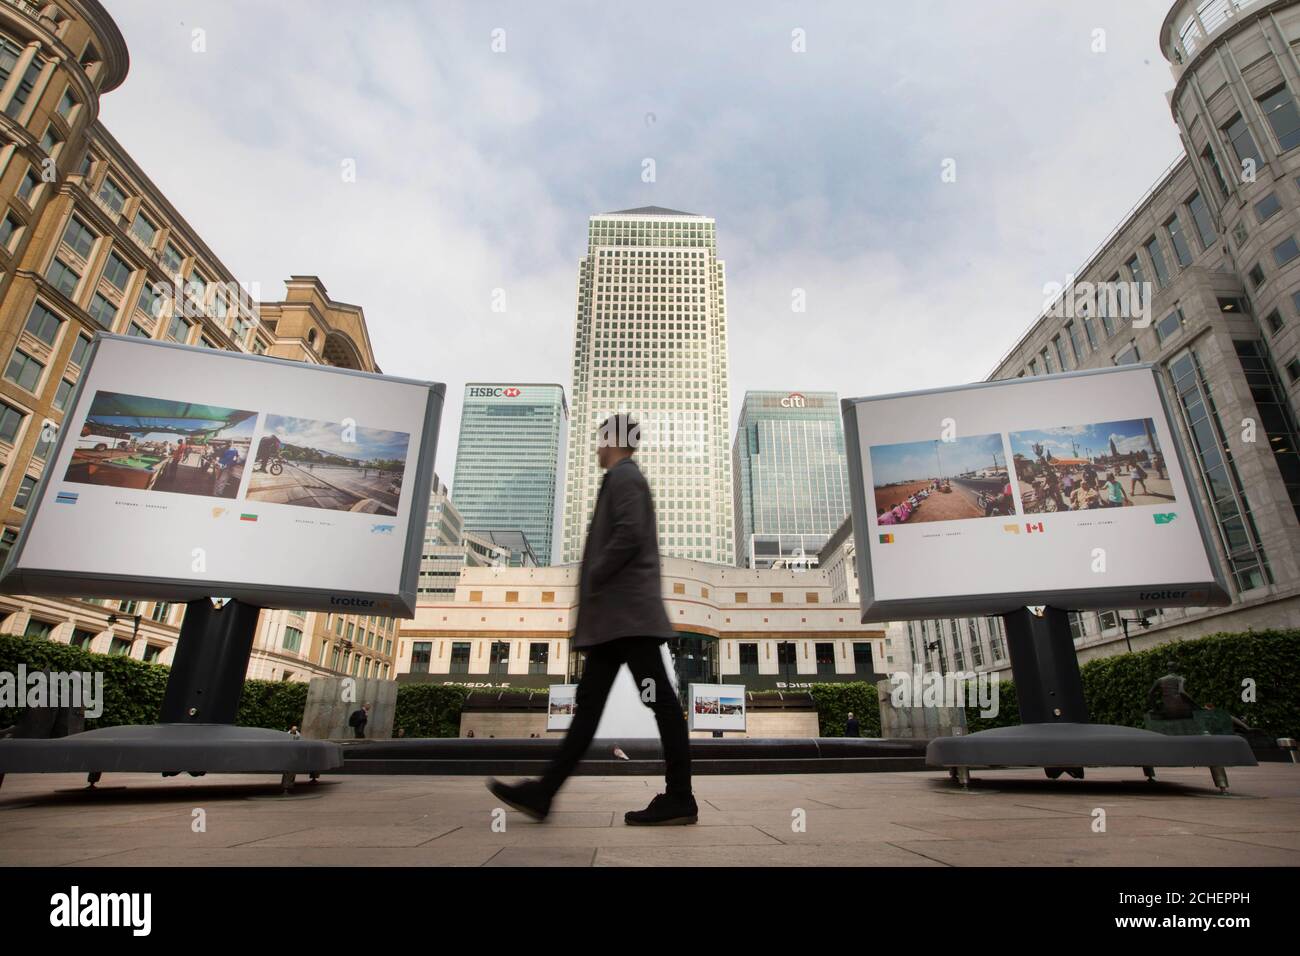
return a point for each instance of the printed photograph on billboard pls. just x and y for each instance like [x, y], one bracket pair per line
[560, 706]
[340, 466]
[157, 444]
[717, 707]
[232, 475]
[1088, 514]
[1087, 467]
[940, 480]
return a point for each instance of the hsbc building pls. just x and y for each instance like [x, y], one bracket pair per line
[510, 459]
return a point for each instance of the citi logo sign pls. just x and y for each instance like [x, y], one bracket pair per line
[794, 400]
[489, 391]
[1032, 527]
[337, 601]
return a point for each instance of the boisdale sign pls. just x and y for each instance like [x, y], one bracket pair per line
[497, 391]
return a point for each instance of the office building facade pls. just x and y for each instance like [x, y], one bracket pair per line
[791, 477]
[510, 460]
[651, 339]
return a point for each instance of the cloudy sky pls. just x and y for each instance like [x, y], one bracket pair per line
[476, 170]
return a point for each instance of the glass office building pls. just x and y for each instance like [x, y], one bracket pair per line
[510, 460]
[791, 478]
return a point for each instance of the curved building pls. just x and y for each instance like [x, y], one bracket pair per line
[1216, 244]
[87, 241]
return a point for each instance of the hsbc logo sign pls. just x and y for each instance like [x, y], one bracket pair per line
[511, 392]
[490, 391]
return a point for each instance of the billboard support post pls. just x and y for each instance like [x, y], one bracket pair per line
[1045, 667]
[210, 663]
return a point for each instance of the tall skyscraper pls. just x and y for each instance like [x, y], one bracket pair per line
[510, 460]
[651, 339]
[792, 480]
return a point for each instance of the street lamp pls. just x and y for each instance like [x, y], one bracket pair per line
[1126, 621]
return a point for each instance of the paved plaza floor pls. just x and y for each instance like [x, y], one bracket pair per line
[1007, 818]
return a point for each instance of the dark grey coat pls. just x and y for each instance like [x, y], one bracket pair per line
[619, 593]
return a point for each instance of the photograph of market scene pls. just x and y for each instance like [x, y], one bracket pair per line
[313, 464]
[1081, 467]
[155, 444]
[941, 480]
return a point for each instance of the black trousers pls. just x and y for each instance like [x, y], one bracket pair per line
[645, 661]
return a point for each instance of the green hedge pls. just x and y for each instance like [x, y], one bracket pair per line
[834, 702]
[429, 710]
[1115, 688]
[133, 690]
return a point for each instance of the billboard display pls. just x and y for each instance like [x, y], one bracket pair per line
[560, 706]
[1069, 490]
[182, 473]
[717, 707]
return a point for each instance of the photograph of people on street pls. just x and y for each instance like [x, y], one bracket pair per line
[941, 480]
[314, 464]
[156, 444]
[1083, 467]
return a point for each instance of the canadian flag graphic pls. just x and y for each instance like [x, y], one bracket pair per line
[1031, 528]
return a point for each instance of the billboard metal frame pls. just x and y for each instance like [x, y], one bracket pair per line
[16, 580]
[1212, 593]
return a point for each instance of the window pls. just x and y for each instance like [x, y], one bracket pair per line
[679, 587]
[82, 639]
[1060, 352]
[548, 597]
[24, 89]
[178, 330]
[1182, 251]
[151, 653]
[1135, 270]
[1076, 344]
[1243, 144]
[117, 272]
[1279, 109]
[10, 421]
[748, 659]
[476, 596]
[1033, 367]
[9, 227]
[459, 657]
[1128, 355]
[1267, 208]
[62, 395]
[825, 658]
[1256, 276]
[1285, 251]
[1201, 217]
[292, 639]
[539, 656]
[147, 302]
[63, 277]
[1047, 362]
[67, 103]
[1157, 261]
[24, 495]
[812, 597]
[28, 185]
[38, 629]
[119, 647]
[159, 612]
[8, 538]
[43, 324]
[101, 310]
[1216, 173]
[742, 597]
[24, 371]
[111, 195]
[778, 597]
[78, 237]
[50, 139]
[1293, 369]
[79, 349]
[1170, 324]
[512, 597]
[1274, 412]
[421, 652]
[143, 229]
[171, 259]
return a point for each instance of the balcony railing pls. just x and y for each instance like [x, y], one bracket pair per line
[1195, 21]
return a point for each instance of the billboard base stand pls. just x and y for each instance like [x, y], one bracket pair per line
[197, 733]
[1054, 732]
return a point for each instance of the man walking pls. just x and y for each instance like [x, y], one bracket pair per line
[621, 620]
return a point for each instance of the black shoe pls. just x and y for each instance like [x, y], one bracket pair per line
[528, 797]
[665, 810]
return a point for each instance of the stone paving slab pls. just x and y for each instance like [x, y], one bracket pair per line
[879, 819]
